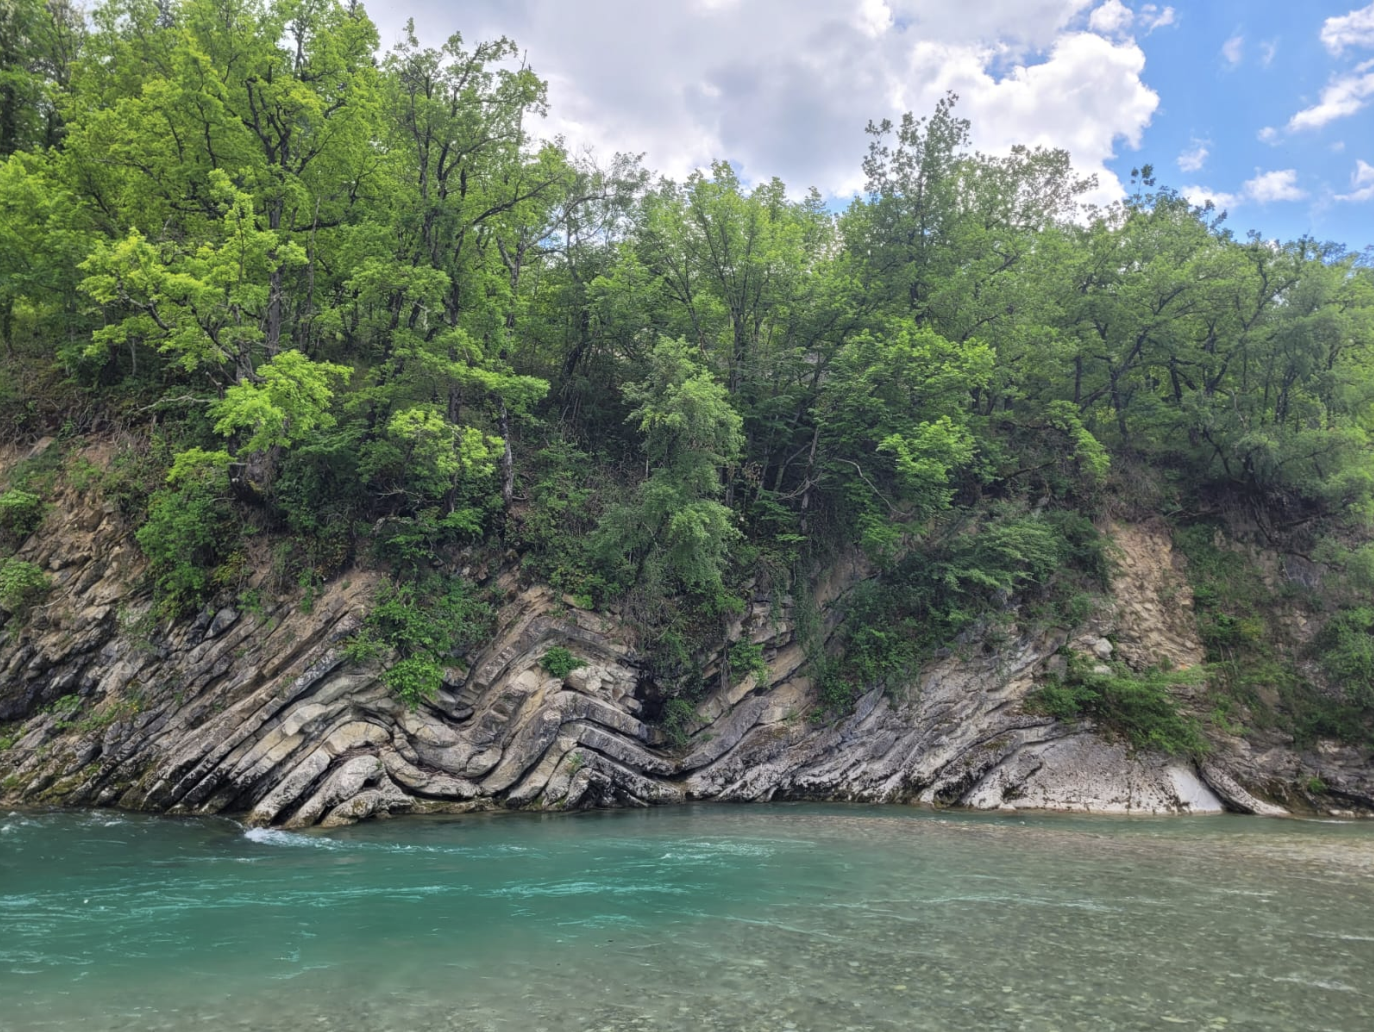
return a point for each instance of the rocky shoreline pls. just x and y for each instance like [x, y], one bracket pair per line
[261, 714]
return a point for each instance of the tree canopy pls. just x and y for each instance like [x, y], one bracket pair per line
[361, 284]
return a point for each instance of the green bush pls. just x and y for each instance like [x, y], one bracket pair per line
[747, 658]
[894, 623]
[1345, 648]
[423, 623]
[20, 514]
[676, 722]
[438, 615]
[1138, 707]
[559, 662]
[552, 534]
[1255, 661]
[21, 585]
[189, 528]
[414, 680]
[132, 478]
[411, 543]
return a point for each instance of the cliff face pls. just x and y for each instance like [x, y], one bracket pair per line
[259, 713]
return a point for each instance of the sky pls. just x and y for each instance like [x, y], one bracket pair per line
[1265, 106]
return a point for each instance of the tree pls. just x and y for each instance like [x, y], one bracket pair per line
[288, 402]
[690, 432]
[895, 429]
[39, 40]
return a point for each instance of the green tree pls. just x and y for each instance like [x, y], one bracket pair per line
[690, 433]
[288, 402]
[896, 429]
[39, 41]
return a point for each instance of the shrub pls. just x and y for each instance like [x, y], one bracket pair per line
[747, 658]
[422, 623]
[188, 527]
[21, 585]
[678, 715]
[1345, 648]
[559, 662]
[1254, 658]
[1138, 707]
[20, 515]
[414, 680]
[892, 624]
[411, 543]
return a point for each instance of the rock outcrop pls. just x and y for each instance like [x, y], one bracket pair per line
[259, 713]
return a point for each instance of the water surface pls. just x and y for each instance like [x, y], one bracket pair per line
[738, 918]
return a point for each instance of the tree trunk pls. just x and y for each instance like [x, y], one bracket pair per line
[507, 460]
[272, 331]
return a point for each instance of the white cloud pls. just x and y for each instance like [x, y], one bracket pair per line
[1343, 96]
[1279, 185]
[1355, 29]
[1363, 194]
[1112, 17]
[1195, 157]
[1233, 50]
[1153, 18]
[1268, 49]
[1200, 195]
[1361, 181]
[785, 87]
[1265, 188]
[1086, 85]
[1338, 147]
[1268, 135]
[874, 17]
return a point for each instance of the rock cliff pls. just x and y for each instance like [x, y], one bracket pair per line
[259, 713]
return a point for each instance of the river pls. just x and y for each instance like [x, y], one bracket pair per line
[779, 917]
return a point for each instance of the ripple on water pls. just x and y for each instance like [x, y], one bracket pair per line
[885, 920]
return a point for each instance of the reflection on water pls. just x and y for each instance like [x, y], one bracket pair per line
[760, 917]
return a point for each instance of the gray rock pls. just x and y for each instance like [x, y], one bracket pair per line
[216, 715]
[223, 620]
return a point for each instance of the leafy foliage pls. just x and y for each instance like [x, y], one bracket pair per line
[21, 585]
[189, 529]
[1346, 648]
[559, 662]
[678, 717]
[420, 625]
[286, 403]
[1140, 707]
[347, 296]
[20, 514]
[1258, 673]
[675, 523]
[893, 624]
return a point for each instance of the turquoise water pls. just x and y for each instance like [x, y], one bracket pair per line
[739, 918]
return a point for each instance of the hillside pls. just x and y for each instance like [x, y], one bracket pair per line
[365, 453]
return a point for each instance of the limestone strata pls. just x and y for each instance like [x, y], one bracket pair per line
[260, 714]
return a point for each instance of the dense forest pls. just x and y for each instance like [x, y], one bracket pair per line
[341, 306]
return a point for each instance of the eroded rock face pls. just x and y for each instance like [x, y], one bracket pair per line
[260, 714]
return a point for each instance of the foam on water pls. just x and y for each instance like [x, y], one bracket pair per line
[298, 840]
[587, 888]
[276, 837]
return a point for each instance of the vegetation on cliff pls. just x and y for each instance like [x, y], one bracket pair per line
[349, 301]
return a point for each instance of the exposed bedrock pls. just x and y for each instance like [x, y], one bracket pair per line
[260, 714]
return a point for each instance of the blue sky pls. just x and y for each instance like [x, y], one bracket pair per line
[1264, 105]
[1241, 86]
